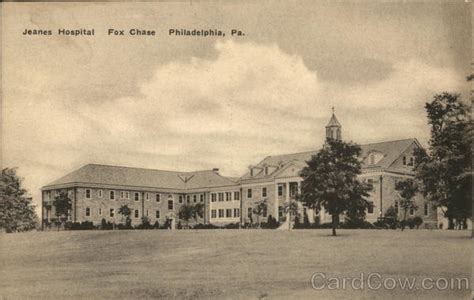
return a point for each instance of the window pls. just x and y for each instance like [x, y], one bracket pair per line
[236, 212]
[187, 198]
[228, 196]
[157, 214]
[228, 213]
[157, 198]
[147, 196]
[112, 212]
[146, 213]
[266, 170]
[280, 190]
[122, 194]
[112, 195]
[370, 181]
[136, 196]
[249, 212]
[99, 211]
[213, 214]
[412, 212]
[170, 204]
[396, 206]
[137, 213]
[201, 197]
[264, 213]
[249, 193]
[194, 198]
[213, 197]
[221, 213]
[264, 192]
[180, 198]
[280, 211]
[426, 209]
[88, 193]
[88, 212]
[371, 159]
[127, 195]
[221, 197]
[236, 196]
[370, 209]
[404, 160]
[412, 161]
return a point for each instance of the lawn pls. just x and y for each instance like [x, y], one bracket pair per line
[244, 264]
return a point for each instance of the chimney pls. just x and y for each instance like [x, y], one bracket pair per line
[215, 170]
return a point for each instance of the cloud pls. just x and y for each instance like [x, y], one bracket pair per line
[251, 101]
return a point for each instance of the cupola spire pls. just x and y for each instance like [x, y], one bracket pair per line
[334, 128]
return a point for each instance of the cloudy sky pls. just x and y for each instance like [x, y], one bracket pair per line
[190, 103]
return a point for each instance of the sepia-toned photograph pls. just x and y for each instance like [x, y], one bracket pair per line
[236, 150]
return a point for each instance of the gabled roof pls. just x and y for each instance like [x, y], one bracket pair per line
[126, 176]
[391, 150]
[333, 122]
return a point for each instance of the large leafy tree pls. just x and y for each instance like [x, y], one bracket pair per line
[445, 170]
[16, 210]
[330, 181]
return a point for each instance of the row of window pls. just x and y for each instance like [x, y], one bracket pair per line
[227, 196]
[411, 211]
[113, 211]
[225, 213]
[280, 191]
[148, 196]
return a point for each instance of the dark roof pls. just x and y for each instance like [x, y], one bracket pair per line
[127, 176]
[390, 149]
[333, 122]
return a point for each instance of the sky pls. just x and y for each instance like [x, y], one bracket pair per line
[193, 103]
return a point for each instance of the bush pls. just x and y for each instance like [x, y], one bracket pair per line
[417, 221]
[205, 226]
[156, 225]
[271, 223]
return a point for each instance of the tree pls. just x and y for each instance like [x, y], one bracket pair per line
[407, 189]
[62, 205]
[330, 180]
[198, 211]
[291, 209]
[444, 172]
[17, 213]
[260, 209]
[186, 213]
[126, 212]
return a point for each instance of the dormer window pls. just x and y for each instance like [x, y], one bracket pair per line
[374, 157]
[266, 170]
[411, 162]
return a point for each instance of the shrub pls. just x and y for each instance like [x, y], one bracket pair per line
[205, 226]
[156, 225]
[417, 221]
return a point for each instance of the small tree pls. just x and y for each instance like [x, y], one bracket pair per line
[291, 209]
[62, 205]
[186, 213]
[198, 211]
[407, 189]
[259, 209]
[126, 212]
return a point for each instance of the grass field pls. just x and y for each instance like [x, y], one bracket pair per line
[244, 264]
